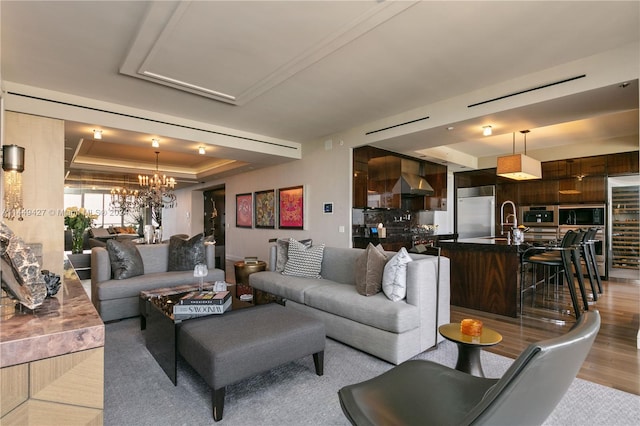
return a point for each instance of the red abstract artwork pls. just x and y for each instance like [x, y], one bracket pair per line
[244, 210]
[291, 207]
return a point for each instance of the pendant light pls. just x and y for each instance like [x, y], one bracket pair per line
[519, 166]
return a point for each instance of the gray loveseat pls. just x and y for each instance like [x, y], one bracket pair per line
[393, 331]
[116, 299]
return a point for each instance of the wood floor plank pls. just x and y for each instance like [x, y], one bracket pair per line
[614, 359]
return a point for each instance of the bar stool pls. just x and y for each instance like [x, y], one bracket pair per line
[586, 245]
[591, 241]
[558, 259]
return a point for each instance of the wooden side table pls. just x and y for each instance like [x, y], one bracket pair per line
[469, 346]
[243, 270]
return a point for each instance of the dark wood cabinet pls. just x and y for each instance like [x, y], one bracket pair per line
[590, 189]
[571, 181]
[622, 163]
[360, 177]
[376, 172]
[538, 192]
[436, 175]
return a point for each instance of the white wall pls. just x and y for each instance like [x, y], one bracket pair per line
[325, 173]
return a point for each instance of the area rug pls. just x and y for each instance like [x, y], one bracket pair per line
[137, 391]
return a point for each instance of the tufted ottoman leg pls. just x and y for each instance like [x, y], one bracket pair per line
[217, 402]
[318, 361]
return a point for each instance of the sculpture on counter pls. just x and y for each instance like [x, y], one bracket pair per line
[21, 275]
[52, 282]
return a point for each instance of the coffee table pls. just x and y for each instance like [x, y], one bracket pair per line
[161, 329]
[469, 346]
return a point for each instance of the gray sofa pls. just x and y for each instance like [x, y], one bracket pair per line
[393, 331]
[116, 299]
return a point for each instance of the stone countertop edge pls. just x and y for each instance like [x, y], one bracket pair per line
[65, 323]
[488, 243]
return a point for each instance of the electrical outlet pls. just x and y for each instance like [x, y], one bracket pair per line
[341, 229]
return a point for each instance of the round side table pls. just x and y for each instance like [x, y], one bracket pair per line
[469, 346]
[243, 270]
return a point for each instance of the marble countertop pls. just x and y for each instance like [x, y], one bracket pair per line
[64, 323]
[493, 243]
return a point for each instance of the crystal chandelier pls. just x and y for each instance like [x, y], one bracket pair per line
[124, 201]
[156, 191]
[13, 166]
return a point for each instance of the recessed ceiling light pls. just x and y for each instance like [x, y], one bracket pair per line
[155, 143]
[97, 134]
[201, 150]
[487, 131]
[450, 128]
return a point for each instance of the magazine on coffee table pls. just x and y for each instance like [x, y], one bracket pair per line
[205, 298]
[182, 312]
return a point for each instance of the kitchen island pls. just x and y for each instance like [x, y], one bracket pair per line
[485, 274]
[52, 359]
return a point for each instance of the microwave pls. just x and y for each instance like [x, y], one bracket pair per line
[582, 215]
[539, 216]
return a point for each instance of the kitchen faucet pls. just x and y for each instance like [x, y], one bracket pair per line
[504, 220]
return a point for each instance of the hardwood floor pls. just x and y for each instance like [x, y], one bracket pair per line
[614, 359]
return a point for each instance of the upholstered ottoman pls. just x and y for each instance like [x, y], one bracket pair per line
[227, 348]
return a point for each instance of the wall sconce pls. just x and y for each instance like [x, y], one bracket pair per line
[97, 134]
[155, 143]
[487, 131]
[201, 150]
[12, 166]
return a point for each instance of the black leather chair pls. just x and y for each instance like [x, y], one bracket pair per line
[426, 393]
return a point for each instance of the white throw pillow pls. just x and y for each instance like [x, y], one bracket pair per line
[394, 279]
[303, 261]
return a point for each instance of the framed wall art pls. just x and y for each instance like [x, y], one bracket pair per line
[244, 210]
[291, 207]
[265, 209]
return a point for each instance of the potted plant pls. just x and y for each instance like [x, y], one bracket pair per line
[77, 220]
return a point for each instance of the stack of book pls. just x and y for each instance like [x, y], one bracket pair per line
[196, 304]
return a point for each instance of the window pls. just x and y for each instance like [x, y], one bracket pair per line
[97, 203]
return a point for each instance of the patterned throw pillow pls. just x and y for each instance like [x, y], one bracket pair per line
[185, 254]
[304, 261]
[282, 252]
[369, 269]
[394, 279]
[125, 258]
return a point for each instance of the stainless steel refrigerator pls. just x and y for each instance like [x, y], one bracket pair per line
[476, 212]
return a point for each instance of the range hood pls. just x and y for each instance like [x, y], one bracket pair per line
[412, 184]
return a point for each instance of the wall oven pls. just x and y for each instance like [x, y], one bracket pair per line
[536, 216]
[542, 223]
[582, 215]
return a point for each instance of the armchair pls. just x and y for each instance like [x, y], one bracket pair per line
[423, 392]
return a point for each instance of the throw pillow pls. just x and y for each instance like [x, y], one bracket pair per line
[185, 254]
[282, 252]
[99, 232]
[125, 259]
[394, 279]
[369, 269]
[303, 261]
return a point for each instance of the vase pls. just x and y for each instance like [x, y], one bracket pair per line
[77, 240]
